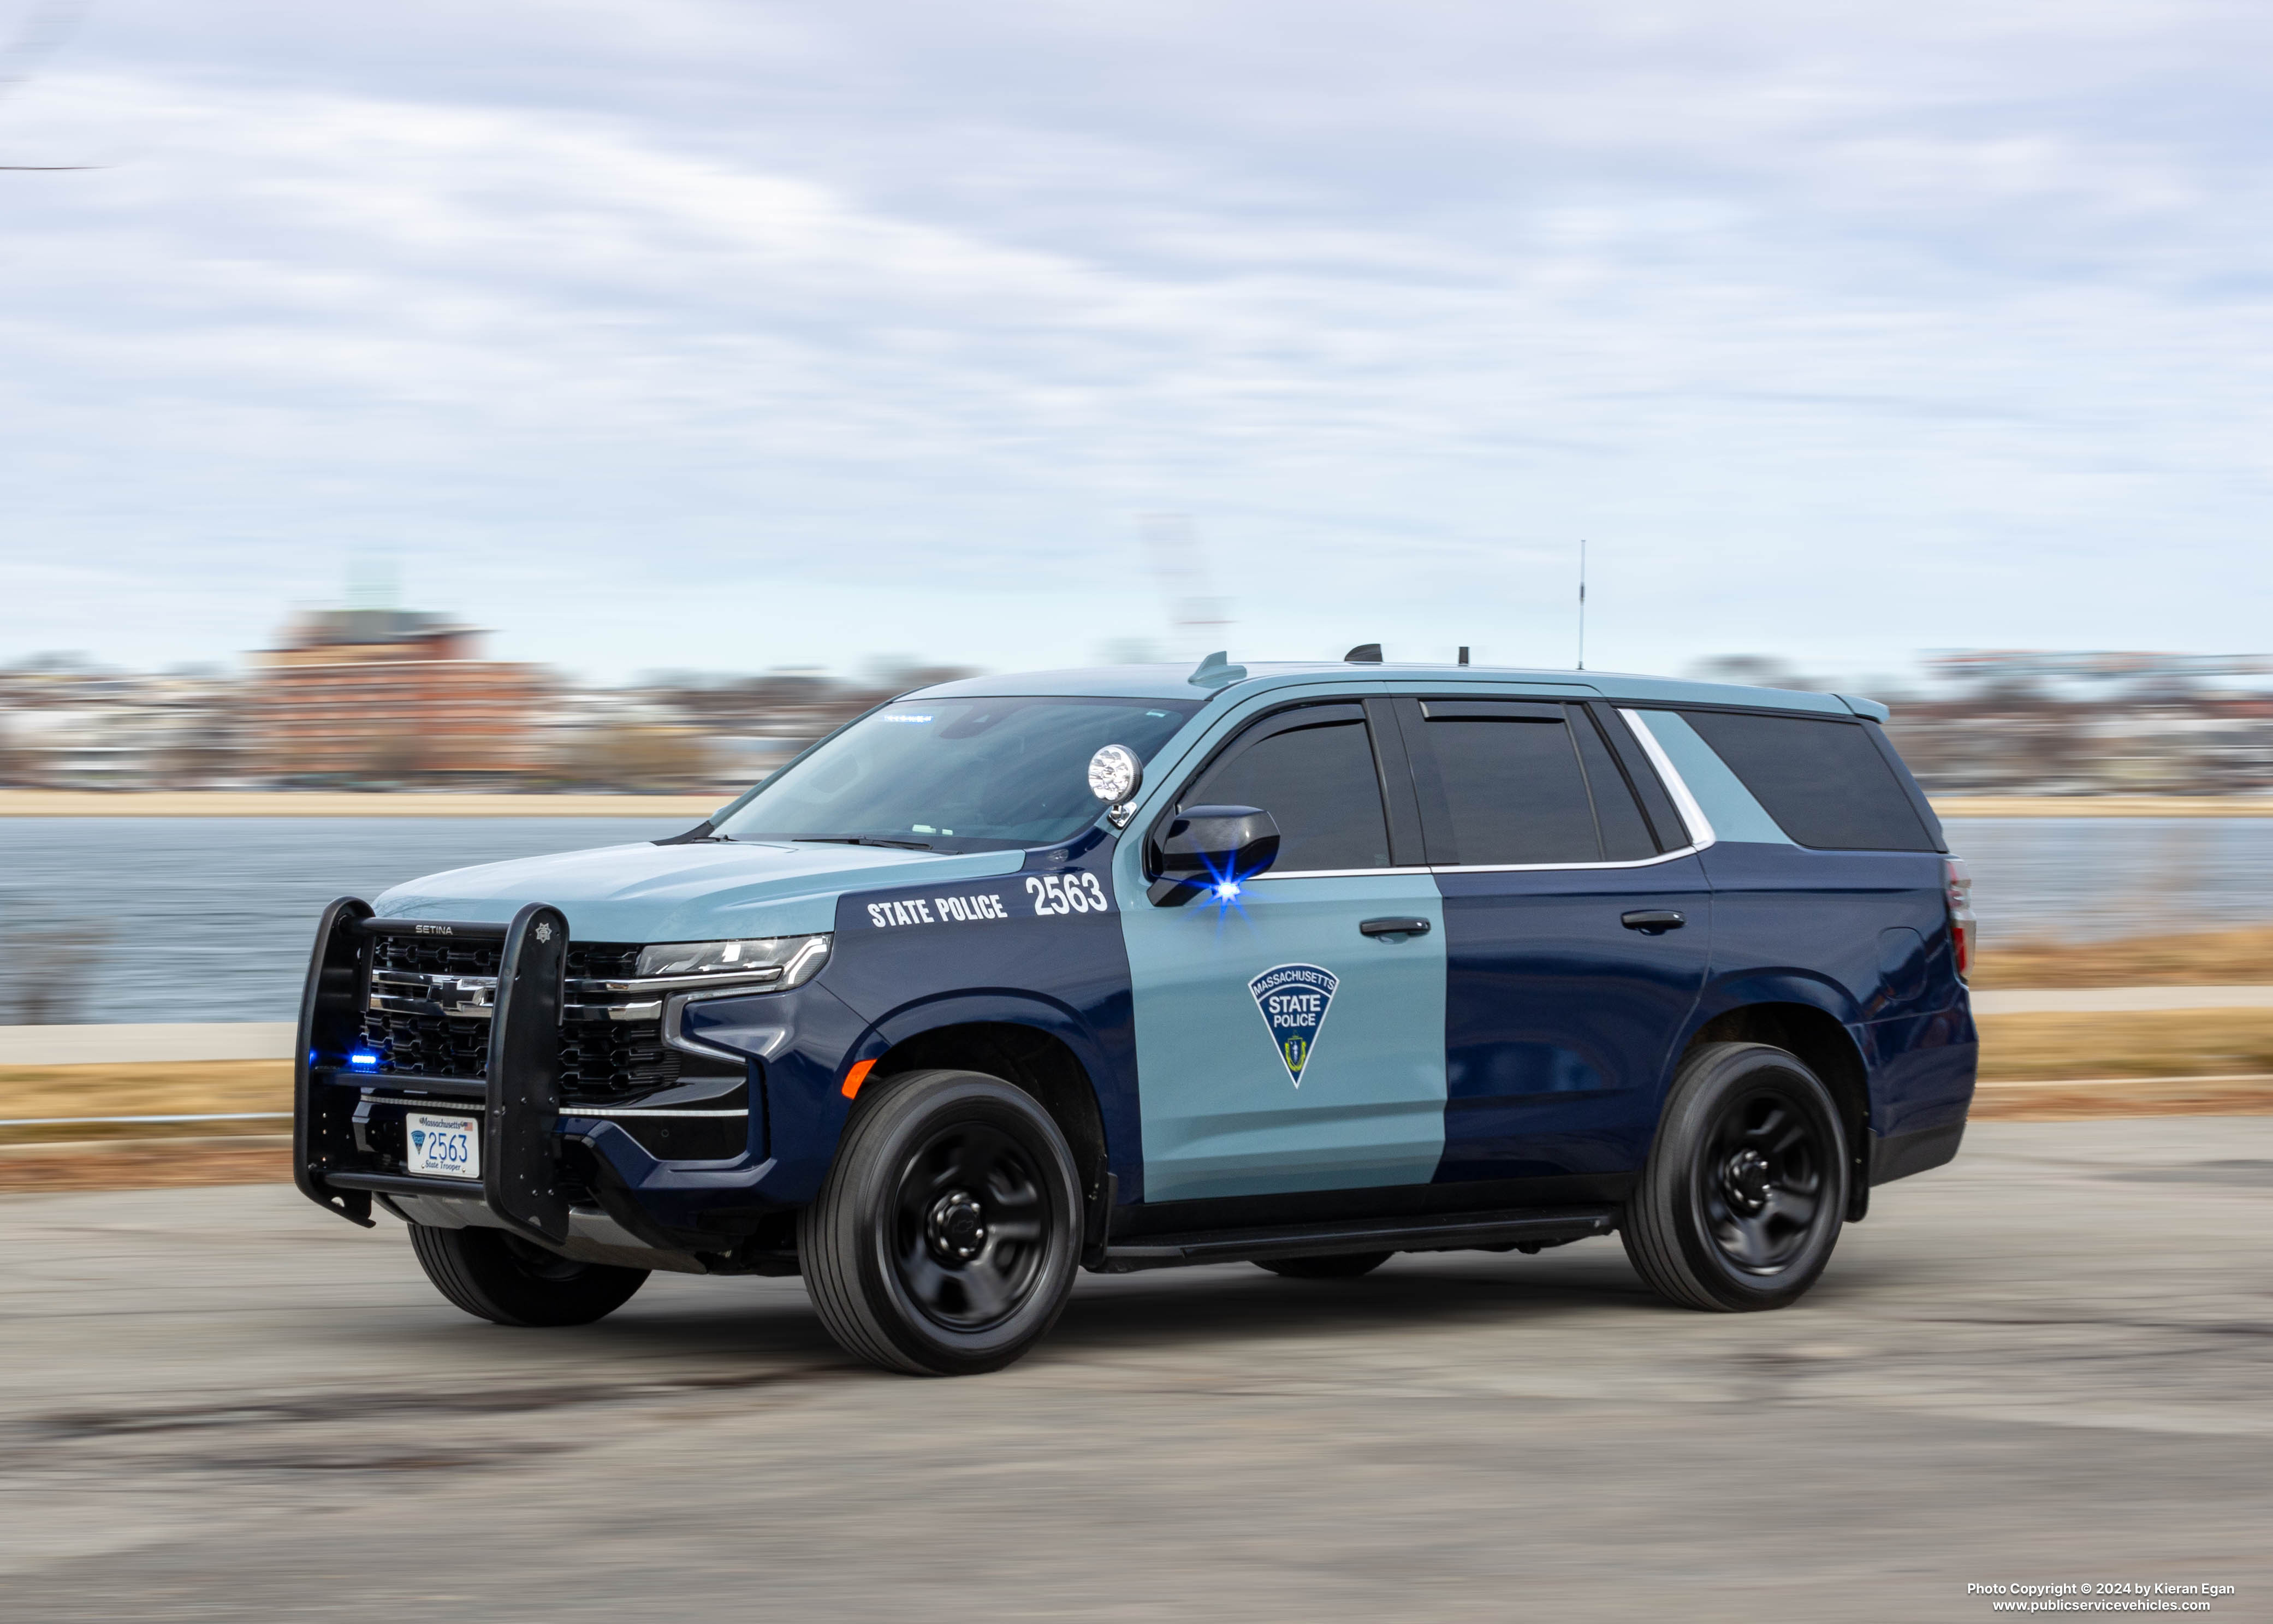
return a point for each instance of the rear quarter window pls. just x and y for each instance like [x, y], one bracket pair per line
[1824, 781]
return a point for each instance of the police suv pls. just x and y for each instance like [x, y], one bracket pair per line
[1301, 965]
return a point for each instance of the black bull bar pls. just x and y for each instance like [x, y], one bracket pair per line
[519, 1180]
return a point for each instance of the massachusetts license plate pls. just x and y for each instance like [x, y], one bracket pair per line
[450, 1146]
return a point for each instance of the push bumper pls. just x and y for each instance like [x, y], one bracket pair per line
[520, 1102]
[579, 1183]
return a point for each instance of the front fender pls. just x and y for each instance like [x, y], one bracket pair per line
[1109, 1068]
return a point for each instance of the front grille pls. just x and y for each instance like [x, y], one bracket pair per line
[602, 1061]
[480, 956]
[437, 955]
[602, 961]
[428, 1045]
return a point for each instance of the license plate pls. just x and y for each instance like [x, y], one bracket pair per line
[448, 1147]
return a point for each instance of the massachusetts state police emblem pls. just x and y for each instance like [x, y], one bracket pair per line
[1294, 999]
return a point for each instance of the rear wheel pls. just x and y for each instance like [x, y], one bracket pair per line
[500, 1277]
[1746, 1188]
[1339, 1266]
[945, 1238]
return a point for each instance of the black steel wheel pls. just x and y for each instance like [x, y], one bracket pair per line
[1745, 1189]
[1338, 1266]
[945, 1238]
[969, 1220]
[498, 1276]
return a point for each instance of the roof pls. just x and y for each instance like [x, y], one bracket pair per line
[370, 628]
[1174, 682]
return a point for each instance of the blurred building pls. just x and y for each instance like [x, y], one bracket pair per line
[65, 724]
[392, 696]
[2085, 723]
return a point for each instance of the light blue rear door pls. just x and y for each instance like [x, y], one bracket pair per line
[1278, 1048]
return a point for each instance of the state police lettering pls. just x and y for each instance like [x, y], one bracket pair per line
[965, 910]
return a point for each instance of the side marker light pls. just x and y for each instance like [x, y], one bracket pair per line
[857, 1075]
[1229, 890]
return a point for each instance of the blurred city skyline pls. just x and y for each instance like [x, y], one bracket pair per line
[737, 336]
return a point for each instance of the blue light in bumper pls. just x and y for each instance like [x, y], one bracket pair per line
[363, 1057]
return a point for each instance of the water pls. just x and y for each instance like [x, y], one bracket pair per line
[2093, 878]
[210, 919]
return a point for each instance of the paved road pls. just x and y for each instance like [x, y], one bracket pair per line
[2048, 1361]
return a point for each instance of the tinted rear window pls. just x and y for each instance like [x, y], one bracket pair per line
[1513, 790]
[1823, 781]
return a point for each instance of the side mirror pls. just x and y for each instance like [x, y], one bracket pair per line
[1213, 849]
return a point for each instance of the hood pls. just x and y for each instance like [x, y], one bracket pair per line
[697, 893]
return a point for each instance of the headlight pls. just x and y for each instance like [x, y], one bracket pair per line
[793, 960]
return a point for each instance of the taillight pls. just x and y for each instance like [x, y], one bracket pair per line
[1957, 886]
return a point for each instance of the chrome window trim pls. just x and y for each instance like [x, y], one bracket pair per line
[1700, 827]
[1623, 862]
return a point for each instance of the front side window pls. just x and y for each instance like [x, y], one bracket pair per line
[1313, 771]
[957, 775]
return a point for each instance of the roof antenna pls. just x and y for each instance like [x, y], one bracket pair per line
[1582, 602]
[1464, 654]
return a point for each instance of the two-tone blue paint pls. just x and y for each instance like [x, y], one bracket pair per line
[1527, 1034]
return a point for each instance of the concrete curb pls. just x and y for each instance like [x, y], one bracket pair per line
[154, 1042]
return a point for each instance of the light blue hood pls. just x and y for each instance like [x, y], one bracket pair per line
[697, 893]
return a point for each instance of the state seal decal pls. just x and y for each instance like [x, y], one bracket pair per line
[1294, 1000]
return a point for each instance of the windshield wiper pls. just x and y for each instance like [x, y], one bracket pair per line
[910, 846]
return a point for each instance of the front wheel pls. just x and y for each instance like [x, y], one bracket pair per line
[945, 1238]
[504, 1279]
[1746, 1188]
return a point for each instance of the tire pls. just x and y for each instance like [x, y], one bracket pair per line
[499, 1277]
[944, 1240]
[1339, 1266]
[1745, 1189]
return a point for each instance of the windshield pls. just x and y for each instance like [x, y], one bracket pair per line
[956, 774]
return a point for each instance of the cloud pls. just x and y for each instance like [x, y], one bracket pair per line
[743, 336]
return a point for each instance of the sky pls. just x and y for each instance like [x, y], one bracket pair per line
[733, 336]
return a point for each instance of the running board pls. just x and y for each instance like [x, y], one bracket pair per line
[1437, 1232]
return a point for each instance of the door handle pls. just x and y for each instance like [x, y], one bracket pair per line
[1394, 927]
[1652, 921]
